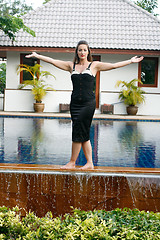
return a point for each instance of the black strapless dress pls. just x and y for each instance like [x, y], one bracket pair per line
[82, 104]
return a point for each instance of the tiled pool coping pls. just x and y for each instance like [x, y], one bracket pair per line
[96, 116]
[57, 168]
[126, 170]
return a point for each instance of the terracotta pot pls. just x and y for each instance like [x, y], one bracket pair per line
[132, 110]
[38, 107]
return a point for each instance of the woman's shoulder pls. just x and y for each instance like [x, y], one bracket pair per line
[70, 63]
[95, 63]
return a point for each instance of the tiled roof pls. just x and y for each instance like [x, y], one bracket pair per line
[108, 24]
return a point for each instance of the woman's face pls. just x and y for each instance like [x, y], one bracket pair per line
[82, 51]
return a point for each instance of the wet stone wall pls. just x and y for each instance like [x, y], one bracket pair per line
[57, 192]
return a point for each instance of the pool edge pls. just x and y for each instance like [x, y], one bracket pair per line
[67, 115]
[34, 167]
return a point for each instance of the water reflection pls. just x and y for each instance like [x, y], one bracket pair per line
[130, 135]
[28, 148]
[48, 141]
[145, 155]
[132, 139]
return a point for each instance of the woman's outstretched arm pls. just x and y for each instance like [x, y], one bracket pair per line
[101, 66]
[64, 65]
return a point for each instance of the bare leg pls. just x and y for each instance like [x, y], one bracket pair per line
[87, 149]
[76, 147]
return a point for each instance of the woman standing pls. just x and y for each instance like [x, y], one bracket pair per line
[82, 106]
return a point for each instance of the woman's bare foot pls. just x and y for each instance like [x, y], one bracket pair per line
[70, 165]
[87, 166]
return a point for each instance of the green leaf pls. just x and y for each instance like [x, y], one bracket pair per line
[130, 93]
[39, 86]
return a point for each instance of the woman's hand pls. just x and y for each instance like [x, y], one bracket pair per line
[64, 65]
[136, 59]
[32, 55]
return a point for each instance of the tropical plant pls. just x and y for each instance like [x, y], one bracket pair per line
[130, 93]
[2, 77]
[38, 85]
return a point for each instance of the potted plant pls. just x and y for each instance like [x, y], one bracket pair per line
[38, 85]
[131, 94]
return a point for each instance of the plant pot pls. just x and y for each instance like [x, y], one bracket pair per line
[38, 107]
[132, 110]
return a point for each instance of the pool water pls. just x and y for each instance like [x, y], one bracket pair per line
[48, 141]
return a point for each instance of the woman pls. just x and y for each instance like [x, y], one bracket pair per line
[82, 106]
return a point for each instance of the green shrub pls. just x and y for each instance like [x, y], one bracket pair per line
[81, 225]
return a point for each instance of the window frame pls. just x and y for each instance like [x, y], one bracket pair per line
[21, 62]
[97, 90]
[156, 73]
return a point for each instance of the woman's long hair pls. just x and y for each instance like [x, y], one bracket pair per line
[76, 58]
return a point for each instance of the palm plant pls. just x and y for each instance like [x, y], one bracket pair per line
[130, 93]
[2, 77]
[38, 85]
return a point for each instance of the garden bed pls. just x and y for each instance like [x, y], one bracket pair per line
[97, 224]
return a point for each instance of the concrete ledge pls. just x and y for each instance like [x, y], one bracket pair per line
[96, 116]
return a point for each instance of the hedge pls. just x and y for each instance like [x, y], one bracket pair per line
[98, 224]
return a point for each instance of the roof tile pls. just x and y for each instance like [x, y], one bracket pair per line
[103, 23]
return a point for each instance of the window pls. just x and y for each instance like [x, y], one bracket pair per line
[148, 72]
[29, 61]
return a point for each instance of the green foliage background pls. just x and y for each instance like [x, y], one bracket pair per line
[148, 5]
[2, 77]
[97, 224]
[10, 17]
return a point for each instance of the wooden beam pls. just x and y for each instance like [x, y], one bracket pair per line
[71, 50]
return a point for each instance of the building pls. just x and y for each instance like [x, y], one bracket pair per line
[116, 30]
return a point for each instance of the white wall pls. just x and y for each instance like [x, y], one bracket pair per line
[150, 107]
[21, 100]
[12, 79]
[62, 81]
[109, 94]
[108, 79]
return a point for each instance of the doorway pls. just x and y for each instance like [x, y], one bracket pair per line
[97, 80]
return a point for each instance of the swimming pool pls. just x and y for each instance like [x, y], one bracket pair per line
[48, 141]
